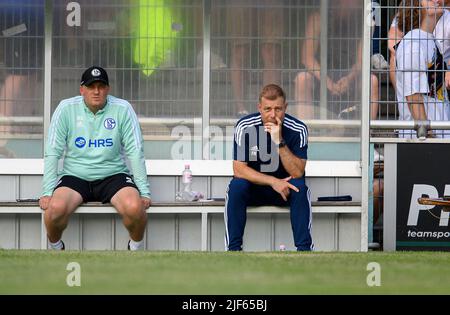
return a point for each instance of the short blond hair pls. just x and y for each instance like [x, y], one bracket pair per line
[272, 92]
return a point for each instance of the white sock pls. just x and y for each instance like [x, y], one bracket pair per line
[56, 246]
[136, 245]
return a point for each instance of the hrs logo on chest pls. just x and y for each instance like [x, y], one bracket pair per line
[415, 207]
[80, 142]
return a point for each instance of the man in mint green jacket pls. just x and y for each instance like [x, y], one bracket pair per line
[93, 133]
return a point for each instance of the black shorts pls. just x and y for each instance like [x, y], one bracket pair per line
[98, 190]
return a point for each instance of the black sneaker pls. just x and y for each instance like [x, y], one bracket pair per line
[63, 246]
[128, 246]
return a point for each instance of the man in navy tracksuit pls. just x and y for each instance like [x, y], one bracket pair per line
[270, 153]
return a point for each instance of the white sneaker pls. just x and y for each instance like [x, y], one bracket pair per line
[216, 61]
[378, 62]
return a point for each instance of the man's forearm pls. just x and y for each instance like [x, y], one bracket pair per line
[255, 177]
[50, 175]
[138, 168]
[292, 164]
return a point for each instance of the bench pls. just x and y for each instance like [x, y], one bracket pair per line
[204, 211]
[202, 208]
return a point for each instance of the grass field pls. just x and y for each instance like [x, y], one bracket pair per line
[192, 273]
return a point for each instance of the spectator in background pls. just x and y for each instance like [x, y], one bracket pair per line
[155, 32]
[377, 59]
[420, 71]
[441, 33]
[216, 61]
[394, 36]
[344, 59]
[94, 132]
[23, 50]
[378, 191]
[243, 23]
[270, 153]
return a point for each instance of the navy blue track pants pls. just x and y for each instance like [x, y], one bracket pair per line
[242, 193]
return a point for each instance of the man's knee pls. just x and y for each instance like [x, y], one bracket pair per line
[57, 210]
[301, 185]
[133, 209]
[297, 182]
[239, 186]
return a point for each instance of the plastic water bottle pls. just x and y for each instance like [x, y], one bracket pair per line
[186, 182]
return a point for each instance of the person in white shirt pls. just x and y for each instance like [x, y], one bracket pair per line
[441, 32]
[420, 67]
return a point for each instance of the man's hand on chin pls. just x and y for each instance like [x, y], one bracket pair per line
[275, 130]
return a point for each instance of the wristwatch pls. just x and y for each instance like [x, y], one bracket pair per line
[281, 144]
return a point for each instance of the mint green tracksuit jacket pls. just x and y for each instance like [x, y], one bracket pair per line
[94, 146]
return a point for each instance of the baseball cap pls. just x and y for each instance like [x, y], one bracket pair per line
[93, 74]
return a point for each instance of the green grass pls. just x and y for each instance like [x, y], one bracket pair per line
[169, 272]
